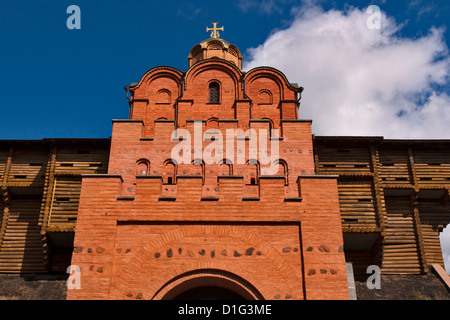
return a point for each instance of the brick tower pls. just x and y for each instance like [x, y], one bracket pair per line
[210, 190]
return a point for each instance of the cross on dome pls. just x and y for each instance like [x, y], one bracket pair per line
[215, 30]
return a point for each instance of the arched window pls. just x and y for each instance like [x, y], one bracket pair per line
[226, 168]
[212, 123]
[198, 168]
[282, 170]
[214, 93]
[264, 97]
[169, 172]
[143, 167]
[163, 96]
[252, 172]
[270, 125]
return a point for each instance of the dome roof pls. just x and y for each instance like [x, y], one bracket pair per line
[215, 48]
[205, 42]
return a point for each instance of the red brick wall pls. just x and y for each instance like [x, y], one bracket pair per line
[281, 236]
[300, 242]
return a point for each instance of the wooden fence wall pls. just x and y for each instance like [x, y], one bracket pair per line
[41, 182]
[397, 190]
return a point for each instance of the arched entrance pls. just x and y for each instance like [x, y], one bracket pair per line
[209, 293]
[208, 285]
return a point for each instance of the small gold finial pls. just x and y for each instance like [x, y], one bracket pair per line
[214, 29]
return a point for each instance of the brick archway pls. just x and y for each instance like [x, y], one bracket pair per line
[158, 266]
[208, 278]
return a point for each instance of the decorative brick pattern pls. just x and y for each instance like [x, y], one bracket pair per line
[202, 227]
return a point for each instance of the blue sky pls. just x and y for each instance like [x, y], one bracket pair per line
[56, 82]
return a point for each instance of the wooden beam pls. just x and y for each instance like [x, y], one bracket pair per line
[8, 167]
[412, 168]
[316, 158]
[47, 202]
[49, 186]
[378, 190]
[3, 223]
[5, 195]
[417, 229]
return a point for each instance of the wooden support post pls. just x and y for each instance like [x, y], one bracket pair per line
[49, 187]
[378, 249]
[7, 168]
[51, 203]
[415, 212]
[4, 223]
[5, 195]
[316, 158]
[412, 169]
[47, 201]
[377, 188]
[418, 232]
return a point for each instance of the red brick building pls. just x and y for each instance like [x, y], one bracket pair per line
[203, 223]
[213, 188]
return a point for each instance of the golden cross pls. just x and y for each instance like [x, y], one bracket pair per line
[214, 33]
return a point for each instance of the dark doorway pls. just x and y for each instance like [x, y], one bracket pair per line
[208, 293]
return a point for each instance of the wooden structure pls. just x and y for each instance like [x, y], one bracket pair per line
[41, 182]
[394, 199]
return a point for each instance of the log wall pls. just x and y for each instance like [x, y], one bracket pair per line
[401, 249]
[41, 182]
[402, 194]
[357, 204]
[28, 167]
[21, 249]
[432, 167]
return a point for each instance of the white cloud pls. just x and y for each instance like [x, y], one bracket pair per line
[360, 81]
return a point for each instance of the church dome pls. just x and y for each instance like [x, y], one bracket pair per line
[215, 48]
